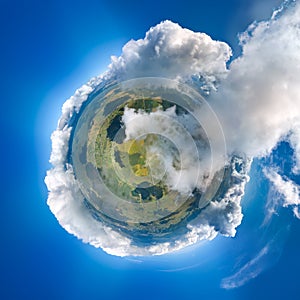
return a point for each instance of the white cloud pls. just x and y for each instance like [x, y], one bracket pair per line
[289, 191]
[262, 9]
[171, 51]
[294, 139]
[194, 163]
[73, 104]
[296, 212]
[60, 146]
[225, 215]
[247, 272]
[258, 254]
[259, 103]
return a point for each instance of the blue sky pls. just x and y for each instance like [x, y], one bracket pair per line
[48, 50]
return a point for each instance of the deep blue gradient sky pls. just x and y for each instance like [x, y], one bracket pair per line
[48, 49]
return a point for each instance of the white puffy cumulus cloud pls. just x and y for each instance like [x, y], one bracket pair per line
[257, 101]
[170, 51]
[222, 216]
[263, 90]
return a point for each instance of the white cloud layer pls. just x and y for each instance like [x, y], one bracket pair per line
[257, 102]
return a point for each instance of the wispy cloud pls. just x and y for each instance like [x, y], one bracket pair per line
[287, 192]
[247, 272]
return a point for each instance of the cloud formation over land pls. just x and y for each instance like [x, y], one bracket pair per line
[257, 102]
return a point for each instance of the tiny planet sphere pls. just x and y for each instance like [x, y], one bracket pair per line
[144, 160]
